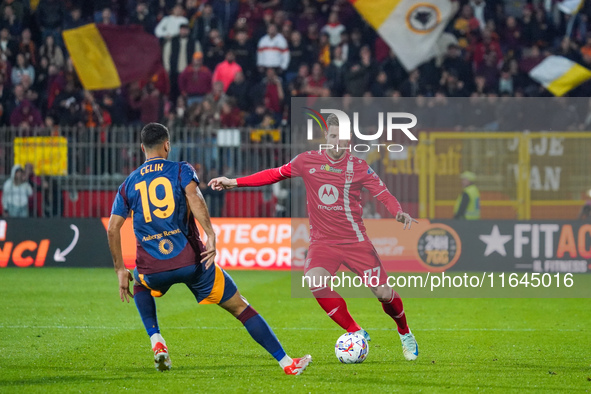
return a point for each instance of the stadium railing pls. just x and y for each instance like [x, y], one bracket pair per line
[520, 175]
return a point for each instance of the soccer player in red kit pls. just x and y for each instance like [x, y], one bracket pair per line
[334, 180]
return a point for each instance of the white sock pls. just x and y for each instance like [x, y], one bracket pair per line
[157, 338]
[286, 361]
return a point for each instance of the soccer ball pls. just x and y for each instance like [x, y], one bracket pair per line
[351, 348]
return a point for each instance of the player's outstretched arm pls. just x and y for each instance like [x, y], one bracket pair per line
[261, 178]
[199, 208]
[114, 236]
[222, 183]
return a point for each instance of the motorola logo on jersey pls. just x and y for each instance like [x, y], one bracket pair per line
[328, 194]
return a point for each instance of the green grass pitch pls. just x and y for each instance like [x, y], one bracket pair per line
[65, 330]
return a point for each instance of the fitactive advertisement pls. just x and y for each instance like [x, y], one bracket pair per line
[280, 244]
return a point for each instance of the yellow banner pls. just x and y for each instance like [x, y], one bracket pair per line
[48, 155]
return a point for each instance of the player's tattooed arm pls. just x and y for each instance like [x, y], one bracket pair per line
[222, 183]
[123, 274]
[199, 208]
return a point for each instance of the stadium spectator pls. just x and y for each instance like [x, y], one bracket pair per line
[316, 84]
[307, 18]
[105, 17]
[204, 23]
[113, 103]
[28, 47]
[230, 115]
[66, 105]
[8, 45]
[214, 50]
[142, 16]
[208, 116]
[26, 116]
[16, 193]
[335, 73]
[56, 81]
[468, 202]
[13, 101]
[177, 116]
[413, 85]
[227, 12]
[360, 74]
[10, 21]
[354, 45]
[193, 10]
[272, 50]
[216, 98]
[296, 86]
[17, 8]
[93, 115]
[22, 68]
[324, 50]
[506, 85]
[271, 88]
[255, 117]
[482, 12]
[286, 29]
[299, 53]
[453, 60]
[195, 80]
[74, 19]
[226, 70]
[244, 52]
[489, 70]
[52, 52]
[50, 17]
[150, 104]
[194, 113]
[239, 89]
[3, 115]
[170, 25]
[450, 85]
[177, 54]
[334, 29]
[585, 211]
[379, 87]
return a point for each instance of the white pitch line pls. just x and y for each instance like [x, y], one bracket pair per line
[294, 328]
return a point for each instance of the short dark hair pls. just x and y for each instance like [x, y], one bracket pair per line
[154, 134]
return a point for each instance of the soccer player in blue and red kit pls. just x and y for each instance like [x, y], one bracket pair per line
[164, 199]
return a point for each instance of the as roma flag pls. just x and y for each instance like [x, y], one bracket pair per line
[106, 57]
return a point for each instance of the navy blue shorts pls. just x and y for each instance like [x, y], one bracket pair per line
[211, 286]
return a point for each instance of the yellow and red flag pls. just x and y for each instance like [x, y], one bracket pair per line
[106, 57]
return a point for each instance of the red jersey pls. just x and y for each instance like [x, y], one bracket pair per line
[333, 193]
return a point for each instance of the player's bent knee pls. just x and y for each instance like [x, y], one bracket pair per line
[383, 293]
[235, 305]
[317, 278]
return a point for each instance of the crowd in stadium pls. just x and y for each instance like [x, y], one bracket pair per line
[231, 63]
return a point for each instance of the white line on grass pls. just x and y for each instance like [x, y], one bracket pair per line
[17, 327]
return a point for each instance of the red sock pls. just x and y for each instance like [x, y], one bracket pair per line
[395, 310]
[336, 308]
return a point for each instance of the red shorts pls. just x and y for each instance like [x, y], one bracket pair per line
[361, 258]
